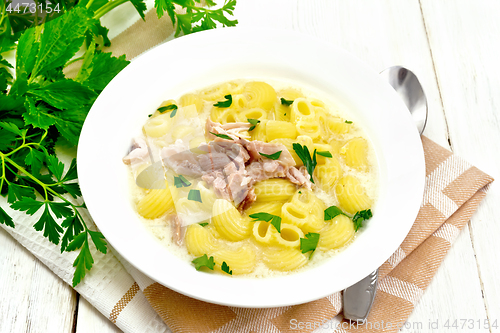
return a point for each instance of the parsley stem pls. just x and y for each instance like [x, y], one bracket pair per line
[74, 60]
[45, 187]
[3, 173]
[89, 4]
[108, 7]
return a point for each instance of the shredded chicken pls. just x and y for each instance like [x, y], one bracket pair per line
[255, 148]
[299, 177]
[138, 152]
[177, 229]
[232, 130]
[181, 160]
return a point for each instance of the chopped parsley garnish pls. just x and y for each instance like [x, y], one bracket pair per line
[226, 103]
[274, 156]
[348, 122]
[204, 261]
[360, 217]
[357, 219]
[225, 268]
[170, 107]
[149, 115]
[286, 102]
[305, 156]
[333, 211]
[194, 195]
[181, 181]
[266, 217]
[309, 243]
[300, 192]
[203, 224]
[254, 123]
[222, 136]
[325, 154]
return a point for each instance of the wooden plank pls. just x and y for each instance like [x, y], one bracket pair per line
[464, 39]
[90, 320]
[33, 298]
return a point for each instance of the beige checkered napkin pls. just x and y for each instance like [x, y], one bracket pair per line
[453, 191]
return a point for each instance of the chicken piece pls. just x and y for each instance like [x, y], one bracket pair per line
[230, 129]
[181, 160]
[138, 152]
[256, 147]
[299, 176]
[263, 170]
[249, 199]
[178, 230]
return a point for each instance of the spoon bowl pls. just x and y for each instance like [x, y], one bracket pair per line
[409, 89]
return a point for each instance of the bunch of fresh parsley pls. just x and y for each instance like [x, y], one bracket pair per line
[40, 107]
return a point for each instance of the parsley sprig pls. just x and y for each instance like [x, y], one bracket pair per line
[266, 217]
[253, 122]
[357, 219]
[305, 156]
[286, 102]
[309, 243]
[225, 104]
[274, 156]
[196, 18]
[32, 192]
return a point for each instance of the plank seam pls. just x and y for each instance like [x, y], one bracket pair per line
[435, 74]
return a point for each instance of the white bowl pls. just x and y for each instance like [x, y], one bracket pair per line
[199, 60]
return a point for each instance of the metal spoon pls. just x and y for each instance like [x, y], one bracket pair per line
[358, 298]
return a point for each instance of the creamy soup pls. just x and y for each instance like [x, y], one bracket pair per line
[253, 178]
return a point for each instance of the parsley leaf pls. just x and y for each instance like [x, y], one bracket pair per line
[305, 156]
[325, 154]
[5, 218]
[181, 181]
[35, 159]
[28, 205]
[254, 123]
[55, 166]
[225, 104]
[17, 192]
[286, 102]
[309, 243]
[104, 67]
[203, 224]
[222, 136]
[333, 211]
[50, 228]
[203, 261]
[162, 109]
[348, 122]
[73, 227]
[274, 156]
[225, 268]
[64, 94]
[360, 217]
[83, 262]
[266, 217]
[60, 40]
[99, 241]
[194, 195]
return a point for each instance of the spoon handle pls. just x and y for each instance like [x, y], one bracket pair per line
[358, 298]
